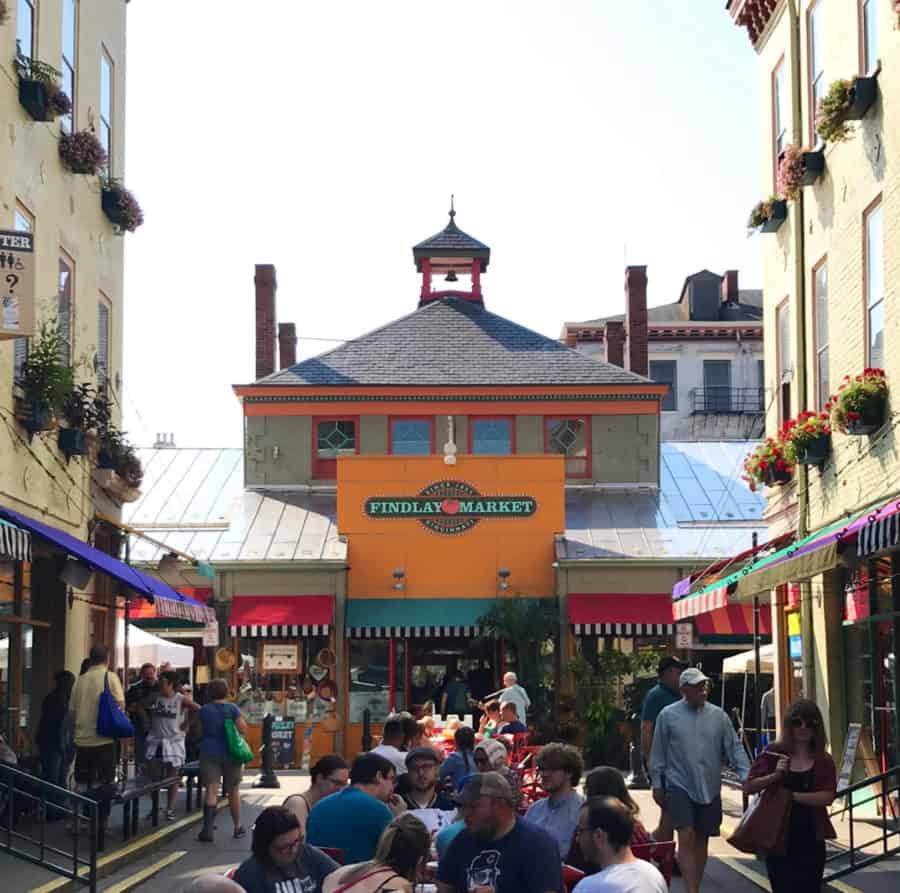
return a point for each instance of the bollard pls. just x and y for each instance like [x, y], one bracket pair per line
[267, 777]
[367, 730]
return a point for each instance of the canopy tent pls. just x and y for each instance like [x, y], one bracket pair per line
[145, 648]
[745, 662]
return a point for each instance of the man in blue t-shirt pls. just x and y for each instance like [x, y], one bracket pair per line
[497, 849]
[352, 819]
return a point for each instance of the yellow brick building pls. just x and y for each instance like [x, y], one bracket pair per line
[830, 310]
[79, 281]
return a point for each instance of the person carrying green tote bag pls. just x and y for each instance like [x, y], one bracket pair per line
[223, 751]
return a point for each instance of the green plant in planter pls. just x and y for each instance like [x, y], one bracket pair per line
[34, 71]
[831, 124]
[859, 401]
[129, 466]
[46, 379]
[76, 408]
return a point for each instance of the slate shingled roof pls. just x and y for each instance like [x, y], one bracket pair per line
[749, 310]
[452, 341]
[451, 241]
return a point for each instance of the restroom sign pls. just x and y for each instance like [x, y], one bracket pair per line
[450, 507]
[16, 284]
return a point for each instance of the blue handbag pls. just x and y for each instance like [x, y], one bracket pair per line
[111, 720]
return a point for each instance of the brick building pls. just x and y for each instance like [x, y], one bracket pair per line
[707, 347]
[829, 284]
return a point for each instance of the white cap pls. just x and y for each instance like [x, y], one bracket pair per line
[692, 676]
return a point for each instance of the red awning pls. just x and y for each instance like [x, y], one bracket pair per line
[281, 615]
[621, 613]
[733, 620]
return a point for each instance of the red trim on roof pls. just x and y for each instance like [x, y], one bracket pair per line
[620, 607]
[272, 610]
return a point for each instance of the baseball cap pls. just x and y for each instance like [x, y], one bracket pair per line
[422, 753]
[668, 662]
[692, 676]
[485, 784]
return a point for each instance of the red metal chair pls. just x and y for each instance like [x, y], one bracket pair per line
[571, 876]
[519, 745]
[336, 853]
[660, 854]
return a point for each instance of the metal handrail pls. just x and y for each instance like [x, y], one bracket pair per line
[854, 851]
[83, 869]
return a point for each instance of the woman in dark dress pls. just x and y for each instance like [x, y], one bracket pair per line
[798, 761]
[55, 738]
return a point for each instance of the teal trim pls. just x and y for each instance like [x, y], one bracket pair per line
[406, 612]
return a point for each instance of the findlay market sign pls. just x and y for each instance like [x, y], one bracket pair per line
[450, 507]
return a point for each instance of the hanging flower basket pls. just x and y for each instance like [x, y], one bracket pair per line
[767, 216]
[807, 438]
[846, 100]
[798, 167]
[82, 152]
[859, 405]
[71, 442]
[768, 464]
[777, 477]
[121, 207]
[39, 91]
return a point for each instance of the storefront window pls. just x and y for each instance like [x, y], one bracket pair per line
[412, 437]
[569, 436]
[491, 437]
[333, 438]
[369, 679]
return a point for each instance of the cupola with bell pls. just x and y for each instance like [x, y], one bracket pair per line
[450, 261]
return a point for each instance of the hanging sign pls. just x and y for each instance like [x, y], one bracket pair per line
[283, 742]
[278, 657]
[16, 284]
[449, 507]
[853, 732]
[211, 634]
[684, 635]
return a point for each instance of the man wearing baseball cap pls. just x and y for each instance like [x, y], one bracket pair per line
[665, 692]
[419, 784]
[497, 851]
[691, 741]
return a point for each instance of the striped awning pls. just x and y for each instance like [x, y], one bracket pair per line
[624, 629]
[879, 535]
[281, 616]
[415, 618]
[411, 632]
[15, 543]
[710, 599]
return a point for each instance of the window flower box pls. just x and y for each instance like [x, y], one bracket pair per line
[859, 406]
[777, 477]
[767, 216]
[798, 167]
[109, 481]
[39, 91]
[121, 207]
[816, 450]
[846, 100]
[71, 442]
[770, 463]
[82, 152]
[807, 438]
[813, 166]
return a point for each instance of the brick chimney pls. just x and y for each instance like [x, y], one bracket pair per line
[287, 344]
[636, 319]
[730, 293]
[265, 283]
[614, 339]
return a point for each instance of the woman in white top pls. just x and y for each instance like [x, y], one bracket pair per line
[165, 740]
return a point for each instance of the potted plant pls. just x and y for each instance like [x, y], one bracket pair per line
[121, 207]
[82, 152]
[858, 407]
[119, 470]
[111, 445]
[846, 100]
[767, 216]
[39, 90]
[807, 438]
[768, 464]
[798, 167]
[76, 408]
[46, 379]
[129, 467]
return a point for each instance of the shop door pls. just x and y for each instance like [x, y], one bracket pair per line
[15, 682]
[884, 706]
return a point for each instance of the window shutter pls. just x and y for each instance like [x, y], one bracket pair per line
[102, 345]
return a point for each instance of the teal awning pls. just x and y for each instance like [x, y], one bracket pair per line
[415, 617]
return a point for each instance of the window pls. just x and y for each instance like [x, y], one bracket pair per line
[24, 223]
[816, 47]
[868, 28]
[779, 112]
[820, 309]
[106, 104]
[332, 438]
[570, 437]
[411, 437]
[102, 361]
[25, 26]
[717, 385]
[783, 351]
[491, 437]
[874, 286]
[666, 372]
[69, 40]
[65, 305]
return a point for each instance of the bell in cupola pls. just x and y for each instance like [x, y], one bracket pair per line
[451, 277]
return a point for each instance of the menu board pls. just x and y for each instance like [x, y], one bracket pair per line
[853, 732]
[283, 742]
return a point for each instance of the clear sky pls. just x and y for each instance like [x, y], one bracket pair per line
[326, 138]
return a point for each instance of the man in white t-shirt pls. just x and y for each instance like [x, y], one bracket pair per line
[391, 737]
[604, 833]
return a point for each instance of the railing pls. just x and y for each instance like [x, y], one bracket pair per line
[39, 798]
[727, 400]
[874, 849]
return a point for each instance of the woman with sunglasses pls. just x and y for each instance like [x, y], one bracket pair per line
[798, 762]
[282, 860]
[328, 776]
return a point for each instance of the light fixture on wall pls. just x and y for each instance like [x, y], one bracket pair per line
[75, 573]
[399, 579]
[503, 574]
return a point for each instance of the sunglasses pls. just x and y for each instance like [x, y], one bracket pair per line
[799, 723]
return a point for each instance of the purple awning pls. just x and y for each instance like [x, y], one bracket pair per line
[169, 601]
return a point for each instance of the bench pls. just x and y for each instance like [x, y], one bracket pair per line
[129, 799]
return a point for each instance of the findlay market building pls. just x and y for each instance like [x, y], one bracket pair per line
[396, 487]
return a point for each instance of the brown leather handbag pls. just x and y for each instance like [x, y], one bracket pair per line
[763, 826]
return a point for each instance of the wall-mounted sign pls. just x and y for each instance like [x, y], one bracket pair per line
[450, 507]
[278, 657]
[684, 635]
[16, 284]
